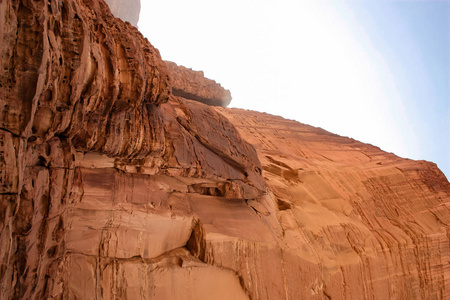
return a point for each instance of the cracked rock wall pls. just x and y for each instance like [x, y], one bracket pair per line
[113, 187]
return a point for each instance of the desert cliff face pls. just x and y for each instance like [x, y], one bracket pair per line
[115, 186]
[354, 222]
[192, 85]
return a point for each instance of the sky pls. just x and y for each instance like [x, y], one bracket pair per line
[377, 71]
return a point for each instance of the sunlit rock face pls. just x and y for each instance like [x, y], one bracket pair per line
[127, 10]
[351, 221]
[114, 186]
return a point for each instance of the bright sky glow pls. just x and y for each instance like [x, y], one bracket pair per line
[376, 71]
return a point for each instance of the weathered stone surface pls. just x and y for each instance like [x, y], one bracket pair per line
[113, 188]
[90, 131]
[72, 69]
[356, 222]
[126, 10]
[192, 85]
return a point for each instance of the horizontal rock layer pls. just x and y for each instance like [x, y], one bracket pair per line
[192, 85]
[113, 188]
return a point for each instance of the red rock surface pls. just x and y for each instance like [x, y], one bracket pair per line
[113, 188]
[354, 222]
[192, 85]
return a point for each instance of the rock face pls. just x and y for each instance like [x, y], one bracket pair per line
[126, 10]
[112, 187]
[192, 85]
[352, 222]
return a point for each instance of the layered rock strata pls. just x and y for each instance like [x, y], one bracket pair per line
[112, 187]
[192, 85]
[351, 221]
[85, 109]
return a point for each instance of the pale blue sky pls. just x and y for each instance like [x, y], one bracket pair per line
[413, 38]
[376, 71]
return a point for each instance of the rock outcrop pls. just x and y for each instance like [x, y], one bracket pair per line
[185, 83]
[192, 85]
[126, 10]
[86, 108]
[113, 187]
[353, 222]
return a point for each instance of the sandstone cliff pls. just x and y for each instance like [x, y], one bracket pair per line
[112, 187]
[354, 222]
[185, 83]
[192, 85]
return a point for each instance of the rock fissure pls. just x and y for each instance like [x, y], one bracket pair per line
[196, 246]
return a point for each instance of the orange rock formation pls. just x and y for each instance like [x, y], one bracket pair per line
[192, 85]
[353, 222]
[112, 187]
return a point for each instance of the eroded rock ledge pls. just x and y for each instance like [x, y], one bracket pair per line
[114, 188]
[192, 85]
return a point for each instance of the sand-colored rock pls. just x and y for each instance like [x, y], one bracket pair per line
[82, 111]
[112, 187]
[356, 222]
[192, 85]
